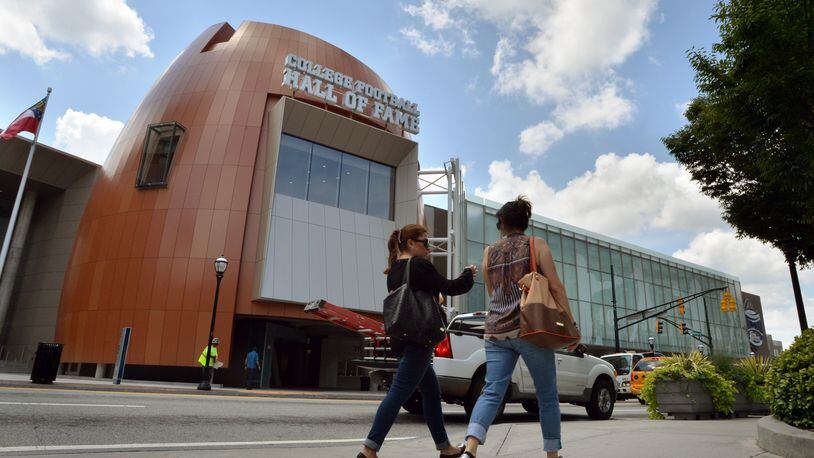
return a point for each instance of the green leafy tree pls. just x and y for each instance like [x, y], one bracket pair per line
[749, 142]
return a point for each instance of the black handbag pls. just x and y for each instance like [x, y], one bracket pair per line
[413, 316]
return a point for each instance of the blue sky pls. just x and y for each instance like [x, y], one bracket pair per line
[563, 101]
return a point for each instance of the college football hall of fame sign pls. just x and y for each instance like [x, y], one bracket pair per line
[755, 327]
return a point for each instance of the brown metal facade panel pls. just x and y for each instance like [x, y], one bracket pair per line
[143, 257]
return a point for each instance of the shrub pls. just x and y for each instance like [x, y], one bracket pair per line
[694, 366]
[749, 373]
[790, 383]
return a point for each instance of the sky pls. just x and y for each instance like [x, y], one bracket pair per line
[565, 101]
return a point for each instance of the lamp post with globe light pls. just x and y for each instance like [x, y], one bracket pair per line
[220, 267]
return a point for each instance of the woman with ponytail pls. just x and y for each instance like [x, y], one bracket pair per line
[415, 368]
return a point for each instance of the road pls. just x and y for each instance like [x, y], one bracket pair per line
[73, 420]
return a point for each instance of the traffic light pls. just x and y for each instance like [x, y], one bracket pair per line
[728, 302]
[659, 326]
[684, 329]
[680, 306]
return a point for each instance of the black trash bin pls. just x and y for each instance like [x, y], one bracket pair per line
[46, 363]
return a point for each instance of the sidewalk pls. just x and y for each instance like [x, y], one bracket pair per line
[66, 382]
[608, 439]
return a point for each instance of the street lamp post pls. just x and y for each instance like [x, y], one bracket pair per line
[651, 341]
[220, 267]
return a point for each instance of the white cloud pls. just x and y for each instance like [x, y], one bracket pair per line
[536, 140]
[562, 53]
[762, 271]
[428, 46]
[98, 27]
[621, 196]
[87, 135]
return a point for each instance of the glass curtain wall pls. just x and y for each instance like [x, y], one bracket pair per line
[642, 280]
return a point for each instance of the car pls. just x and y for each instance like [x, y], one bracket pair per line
[640, 372]
[623, 363]
[460, 365]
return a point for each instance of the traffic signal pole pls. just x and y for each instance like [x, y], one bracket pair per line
[615, 319]
[709, 331]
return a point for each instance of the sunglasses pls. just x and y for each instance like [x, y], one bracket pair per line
[426, 242]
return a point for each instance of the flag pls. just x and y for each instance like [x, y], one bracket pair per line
[27, 121]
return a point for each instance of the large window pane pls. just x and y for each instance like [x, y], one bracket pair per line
[582, 253]
[323, 186]
[492, 233]
[605, 258]
[380, 191]
[568, 254]
[627, 265]
[569, 279]
[555, 244]
[583, 282]
[637, 267]
[474, 222]
[292, 167]
[593, 256]
[596, 287]
[353, 183]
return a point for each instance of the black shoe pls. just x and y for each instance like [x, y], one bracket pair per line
[461, 448]
[466, 454]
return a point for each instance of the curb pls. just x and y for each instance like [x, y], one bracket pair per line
[193, 392]
[785, 440]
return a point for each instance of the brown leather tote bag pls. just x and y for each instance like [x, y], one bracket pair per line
[543, 321]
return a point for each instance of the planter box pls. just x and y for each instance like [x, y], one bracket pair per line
[744, 406]
[684, 400]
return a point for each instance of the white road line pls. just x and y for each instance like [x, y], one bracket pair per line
[60, 404]
[182, 445]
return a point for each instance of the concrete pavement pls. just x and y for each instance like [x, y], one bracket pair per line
[42, 422]
[142, 386]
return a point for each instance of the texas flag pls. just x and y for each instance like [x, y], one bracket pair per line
[27, 121]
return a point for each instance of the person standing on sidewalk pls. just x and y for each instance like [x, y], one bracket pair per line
[415, 368]
[252, 365]
[213, 359]
[504, 263]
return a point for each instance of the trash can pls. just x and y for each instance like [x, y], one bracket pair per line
[46, 363]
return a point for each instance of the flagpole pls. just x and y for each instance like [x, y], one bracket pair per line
[13, 220]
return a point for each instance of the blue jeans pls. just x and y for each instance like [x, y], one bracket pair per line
[415, 371]
[501, 358]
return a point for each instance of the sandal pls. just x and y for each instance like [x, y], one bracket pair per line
[461, 448]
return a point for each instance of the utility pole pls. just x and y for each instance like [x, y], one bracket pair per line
[709, 332]
[615, 318]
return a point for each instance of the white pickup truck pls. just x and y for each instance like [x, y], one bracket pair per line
[460, 364]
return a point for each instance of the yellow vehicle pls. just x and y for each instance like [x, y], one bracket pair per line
[640, 371]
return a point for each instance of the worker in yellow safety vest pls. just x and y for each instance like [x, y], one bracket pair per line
[213, 358]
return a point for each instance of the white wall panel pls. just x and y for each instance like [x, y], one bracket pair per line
[300, 210]
[350, 276]
[316, 265]
[300, 261]
[364, 261]
[310, 258]
[333, 263]
[282, 240]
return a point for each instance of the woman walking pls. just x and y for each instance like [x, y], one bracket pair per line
[504, 263]
[409, 246]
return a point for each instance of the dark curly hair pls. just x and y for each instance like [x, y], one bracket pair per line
[515, 215]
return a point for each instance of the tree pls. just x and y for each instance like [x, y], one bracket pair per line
[749, 142]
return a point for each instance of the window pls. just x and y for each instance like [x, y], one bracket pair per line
[380, 191]
[160, 145]
[327, 176]
[323, 180]
[292, 167]
[353, 187]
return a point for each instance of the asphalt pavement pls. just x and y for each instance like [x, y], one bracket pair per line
[41, 422]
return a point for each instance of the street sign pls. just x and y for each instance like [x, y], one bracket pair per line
[121, 355]
[695, 333]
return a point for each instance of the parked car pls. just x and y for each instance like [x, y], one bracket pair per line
[624, 363]
[460, 364]
[640, 372]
